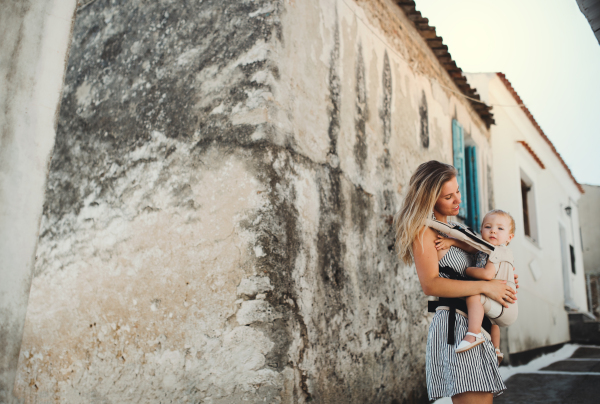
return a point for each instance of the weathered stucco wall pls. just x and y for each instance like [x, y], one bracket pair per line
[590, 231]
[218, 218]
[34, 40]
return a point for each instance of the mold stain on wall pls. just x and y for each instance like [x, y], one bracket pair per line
[362, 111]
[424, 120]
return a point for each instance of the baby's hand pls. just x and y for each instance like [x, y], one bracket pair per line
[443, 243]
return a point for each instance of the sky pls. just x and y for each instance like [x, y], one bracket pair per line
[548, 52]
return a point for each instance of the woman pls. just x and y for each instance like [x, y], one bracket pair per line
[468, 377]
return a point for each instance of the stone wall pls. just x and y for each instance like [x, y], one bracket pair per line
[218, 221]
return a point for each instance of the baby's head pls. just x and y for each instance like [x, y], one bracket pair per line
[498, 227]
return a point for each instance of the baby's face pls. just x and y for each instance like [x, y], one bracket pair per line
[496, 229]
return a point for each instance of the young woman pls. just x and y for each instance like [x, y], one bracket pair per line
[472, 376]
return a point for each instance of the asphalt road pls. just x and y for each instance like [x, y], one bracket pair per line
[573, 380]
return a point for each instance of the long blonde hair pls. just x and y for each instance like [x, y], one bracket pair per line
[425, 187]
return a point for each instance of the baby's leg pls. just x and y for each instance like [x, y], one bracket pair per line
[476, 314]
[495, 334]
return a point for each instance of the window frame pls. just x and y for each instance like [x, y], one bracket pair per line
[466, 163]
[458, 160]
[528, 201]
[473, 213]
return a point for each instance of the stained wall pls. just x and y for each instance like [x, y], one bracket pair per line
[218, 219]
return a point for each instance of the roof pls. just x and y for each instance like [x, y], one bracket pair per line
[537, 127]
[530, 150]
[591, 10]
[441, 52]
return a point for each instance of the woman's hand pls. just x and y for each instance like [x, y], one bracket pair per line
[443, 243]
[516, 280]
[499, 291]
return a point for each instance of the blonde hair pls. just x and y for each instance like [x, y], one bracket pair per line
[424, 189]
[502, 213]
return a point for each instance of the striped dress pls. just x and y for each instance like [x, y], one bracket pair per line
[449, 373]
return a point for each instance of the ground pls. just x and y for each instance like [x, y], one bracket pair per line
[573, 380]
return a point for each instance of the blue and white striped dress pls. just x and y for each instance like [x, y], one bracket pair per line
[449, 373]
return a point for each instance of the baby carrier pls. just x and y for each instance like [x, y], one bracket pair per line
[500, 256]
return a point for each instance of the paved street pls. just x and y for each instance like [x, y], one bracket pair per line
[572, 380]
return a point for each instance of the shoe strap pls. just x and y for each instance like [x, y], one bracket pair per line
[475, 335]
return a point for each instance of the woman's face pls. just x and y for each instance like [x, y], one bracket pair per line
[449, 200]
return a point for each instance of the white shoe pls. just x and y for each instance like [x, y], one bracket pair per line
[499, 355]
[466, 345]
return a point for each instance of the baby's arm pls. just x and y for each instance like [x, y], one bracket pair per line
[486, 274]
[443, 243]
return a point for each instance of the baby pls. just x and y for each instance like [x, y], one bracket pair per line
[497, 228]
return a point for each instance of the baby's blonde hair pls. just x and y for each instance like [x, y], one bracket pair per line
[502, 213]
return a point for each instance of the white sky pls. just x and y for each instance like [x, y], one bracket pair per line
[550, 55]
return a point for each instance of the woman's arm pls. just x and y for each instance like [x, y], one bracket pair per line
[426, 261]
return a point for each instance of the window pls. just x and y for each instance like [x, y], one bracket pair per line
[524, 197]
[472, 188]
[572, 251]
[458, 147]
[529, 211]
[564, 252]
[465, 162]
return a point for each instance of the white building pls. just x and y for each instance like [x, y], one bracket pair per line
[533, 183]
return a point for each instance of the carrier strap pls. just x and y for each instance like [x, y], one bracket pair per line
[473, 237]
[454, 304]
[458, 232]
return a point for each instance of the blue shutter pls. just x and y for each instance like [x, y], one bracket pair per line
[473, 216]
[458, 145]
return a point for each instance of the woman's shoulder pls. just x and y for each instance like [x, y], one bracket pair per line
[427, 231]
[426, 234]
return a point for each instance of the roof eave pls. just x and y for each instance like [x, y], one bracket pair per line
[440, 50]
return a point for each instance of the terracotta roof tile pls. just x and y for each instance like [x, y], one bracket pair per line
[530, 150]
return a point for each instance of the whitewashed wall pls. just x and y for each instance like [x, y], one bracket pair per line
[543, 320]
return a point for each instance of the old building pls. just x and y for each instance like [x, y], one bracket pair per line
[217, 224]
[589, 205]
[533, 183]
